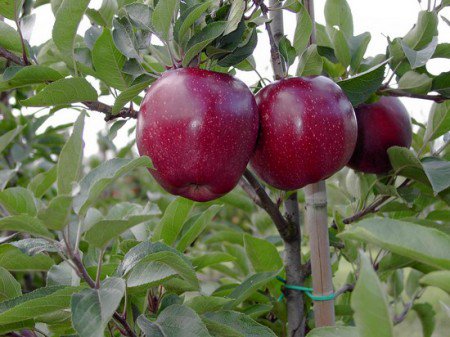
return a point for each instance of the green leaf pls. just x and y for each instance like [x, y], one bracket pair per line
[262, 254]
[153, 255]
[32, 246]
[369, 303]
[124, 38]
[129, 94]
[243, 52]
[18, 200]
[235, 15]
[338, 13]
[441, 84]
[12, 259]
[438, 172]
[194, 14]
[32, 305]
[406, 164]
[197, 227]
[145, 270]
[109, 62]
[92, 309]
[62, 274]
[56, 215]
[420, 243]
[92, 185]
[25, 224]
[236, 323]
[303, 30]
[162, 16]
[423, 32]
[67, 19]
[360, 87]
[287, 51]
[358, 46]
[140, 15]
[174, 321]
[442, 51]
[171, 223]
[107, 11]
[40, 183]
[249, 287]
[10, 38]
[415, 83]
[210, 259]
[25, 76]
[338, 331]
[99, 237]
[419, 58]
[199, 41]
[64, 91]
[203, 304]
[10, 9]
[341, 48]
[9, 136]
[310, 62]
[438, 121]
[426, 315]
[70, 159]
[439, 279]
[9, 287]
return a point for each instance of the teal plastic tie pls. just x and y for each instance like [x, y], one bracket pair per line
[306, 290]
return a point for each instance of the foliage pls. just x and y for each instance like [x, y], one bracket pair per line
[93, 246]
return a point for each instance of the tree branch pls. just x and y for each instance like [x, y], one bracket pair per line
[11, 57]
[107, 110]
[403, 93]
[277, 21]
[269, 206]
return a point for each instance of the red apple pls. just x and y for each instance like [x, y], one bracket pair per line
[199, 128]
[381, 125]
[308, 132]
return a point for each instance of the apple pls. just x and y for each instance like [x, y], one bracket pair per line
[381, 125]
[199, 128]
[307, 132]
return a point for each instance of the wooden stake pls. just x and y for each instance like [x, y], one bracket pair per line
[316, 219]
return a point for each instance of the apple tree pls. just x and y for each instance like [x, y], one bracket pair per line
[318, 208]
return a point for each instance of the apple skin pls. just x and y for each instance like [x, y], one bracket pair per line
[199, 128]
[381, 125]
[307, 132]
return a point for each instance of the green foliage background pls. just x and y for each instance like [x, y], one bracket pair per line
[89, 243]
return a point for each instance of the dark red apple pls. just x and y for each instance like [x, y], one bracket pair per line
[308, 132]
[199, 128]
[381, 125]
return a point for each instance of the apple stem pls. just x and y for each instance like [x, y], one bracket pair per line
[316, 219]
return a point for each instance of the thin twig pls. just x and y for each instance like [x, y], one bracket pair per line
[346, 288]
[11, 57]
[407, 307]
[107, 110]
[270, 207]
[402, 93]
[441, 149]
[373, 207]
[277, 61]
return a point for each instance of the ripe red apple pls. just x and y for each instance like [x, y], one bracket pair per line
[199, 128]
[308, 132]
[381, 125]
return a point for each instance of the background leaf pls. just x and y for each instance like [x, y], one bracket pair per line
[92, 309]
